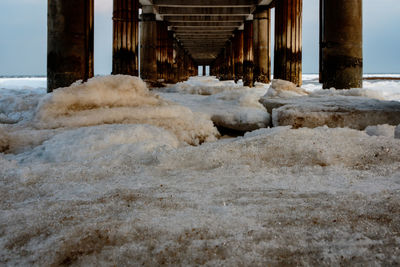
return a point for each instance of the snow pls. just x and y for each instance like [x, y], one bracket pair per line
[120, 99]
[397, 132]
[80, 188]
[355, 108]
[227, 104]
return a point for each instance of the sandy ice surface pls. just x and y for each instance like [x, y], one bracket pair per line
[132, 192]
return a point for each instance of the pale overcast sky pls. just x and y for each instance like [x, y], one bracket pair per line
[23, 36]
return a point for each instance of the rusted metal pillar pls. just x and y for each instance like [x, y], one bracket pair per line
[248, 64]
[238, 55]
[262, 44]
[148, 46]
[125, 37]
[342, 53]
[69, 42]
[288, 40]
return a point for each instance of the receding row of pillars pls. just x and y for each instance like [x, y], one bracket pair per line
[71, 44]
[247, 55]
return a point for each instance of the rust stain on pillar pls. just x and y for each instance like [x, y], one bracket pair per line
[342, 53]
[238, 55]
[248, 64]
[262, 45]
[70, 42]
[125, 37]
[148, 48]
[288, 41]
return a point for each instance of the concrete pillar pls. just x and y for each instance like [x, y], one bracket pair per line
[170, 57]
[238, 55]
[262, 45]
[69, 42]
[248, 64]
[125, 37]
[148, 46]
[342, 58]
[162, 55]
[288, 40]
[229, 61]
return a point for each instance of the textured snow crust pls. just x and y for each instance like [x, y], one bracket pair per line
[227, 104]
[355, 108]
[120, 99]
[134, 194]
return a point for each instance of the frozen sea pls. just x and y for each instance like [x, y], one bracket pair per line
[110, 173]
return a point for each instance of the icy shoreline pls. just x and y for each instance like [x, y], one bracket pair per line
[79, 189]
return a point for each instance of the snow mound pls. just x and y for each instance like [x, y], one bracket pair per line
[381, 130]
[362, 92]
[334, 111]
[120, 99]
[17, 106]
[283, 147]
[237, 109]
[284, 89]
[103, 143]
[203, 86]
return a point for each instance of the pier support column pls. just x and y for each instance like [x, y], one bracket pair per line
[262, 45]
[229, 61]
[238, 55]
[69, 42]
[162, 55]
[125, 37]
[248, 64]
[170, 57]
[342, 58]
[288, 40]
[148, 46]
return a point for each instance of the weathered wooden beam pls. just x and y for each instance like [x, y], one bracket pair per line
[217, 11]
[205, 18]
[206, 3]
[206, 23]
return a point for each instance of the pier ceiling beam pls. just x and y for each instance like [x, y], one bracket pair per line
[202, 29]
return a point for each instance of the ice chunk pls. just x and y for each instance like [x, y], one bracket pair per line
[120, 99]
[237, 110]
[285, 89]
[108, 142]
[333, 111]
[381, 130]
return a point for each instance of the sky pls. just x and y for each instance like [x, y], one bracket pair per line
[23, 36]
